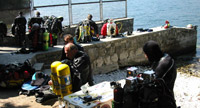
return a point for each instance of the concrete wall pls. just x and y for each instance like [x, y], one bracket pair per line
[111, 53]
[9, 9]
[14, 4]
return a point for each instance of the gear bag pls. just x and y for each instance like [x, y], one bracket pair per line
[85, 32]
[13, 75]
[54, 26]
[156, 95]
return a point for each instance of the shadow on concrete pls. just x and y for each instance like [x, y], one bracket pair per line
[9, 92]
[10, 105]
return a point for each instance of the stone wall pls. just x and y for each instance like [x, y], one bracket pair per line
[112, 53]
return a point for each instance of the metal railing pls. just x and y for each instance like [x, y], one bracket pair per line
[70, 4]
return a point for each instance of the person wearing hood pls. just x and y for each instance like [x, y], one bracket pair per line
[162, 63]
[165, 71]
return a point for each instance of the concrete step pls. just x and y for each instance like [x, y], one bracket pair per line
[47, 71]
[38, 66]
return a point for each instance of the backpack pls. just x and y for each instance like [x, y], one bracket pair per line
[151, 95]
[48, 23]
[54, 26]
[13, 75]
[85, 33]
[38, 83]
[156, 95]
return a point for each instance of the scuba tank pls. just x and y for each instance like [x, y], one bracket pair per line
[64, 79]
[56, 87]
[118, 95]
[50, 40]
[111, 29]
[45, 41]
[54, 38]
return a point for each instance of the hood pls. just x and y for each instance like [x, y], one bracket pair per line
[153, 51]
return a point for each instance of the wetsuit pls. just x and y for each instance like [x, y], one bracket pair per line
[20, 29]
[36, 32]
[38, 20]
[80, 68]
[162, 64]
[165, 70]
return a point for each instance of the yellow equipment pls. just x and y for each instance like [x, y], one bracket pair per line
[54, 78]
[64, 79]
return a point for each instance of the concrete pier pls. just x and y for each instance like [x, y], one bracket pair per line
[111, 53]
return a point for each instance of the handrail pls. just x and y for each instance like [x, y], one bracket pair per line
[77, 3]
[69, 4]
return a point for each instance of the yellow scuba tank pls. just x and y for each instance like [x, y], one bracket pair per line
[45, 41]
[64, 79]
[54, 78]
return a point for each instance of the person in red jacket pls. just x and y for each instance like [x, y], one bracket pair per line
[109, 28]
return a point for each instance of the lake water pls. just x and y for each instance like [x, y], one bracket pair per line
[146, 13]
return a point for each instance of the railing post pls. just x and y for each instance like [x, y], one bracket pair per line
[31, 3]
[70, 12]
[126, 9]
[101, 10]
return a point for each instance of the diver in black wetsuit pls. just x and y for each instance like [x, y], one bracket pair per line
[162, 63]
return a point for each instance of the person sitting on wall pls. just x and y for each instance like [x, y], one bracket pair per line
[68, 38]
[19, 29]
[87, 31]
[109, 29]
[80, 67]
[94, 26]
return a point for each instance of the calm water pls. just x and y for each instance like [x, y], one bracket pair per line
[146, 13]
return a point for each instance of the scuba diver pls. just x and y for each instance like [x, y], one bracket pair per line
[56, 28]
[3, 31]
[19, 29]
[35, 32]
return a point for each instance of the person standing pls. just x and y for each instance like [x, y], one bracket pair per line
[19, 29]
[37, 19]
[3, 31]
[165, 71]
[35, 25]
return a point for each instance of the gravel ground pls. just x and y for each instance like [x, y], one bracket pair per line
[187, 91]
